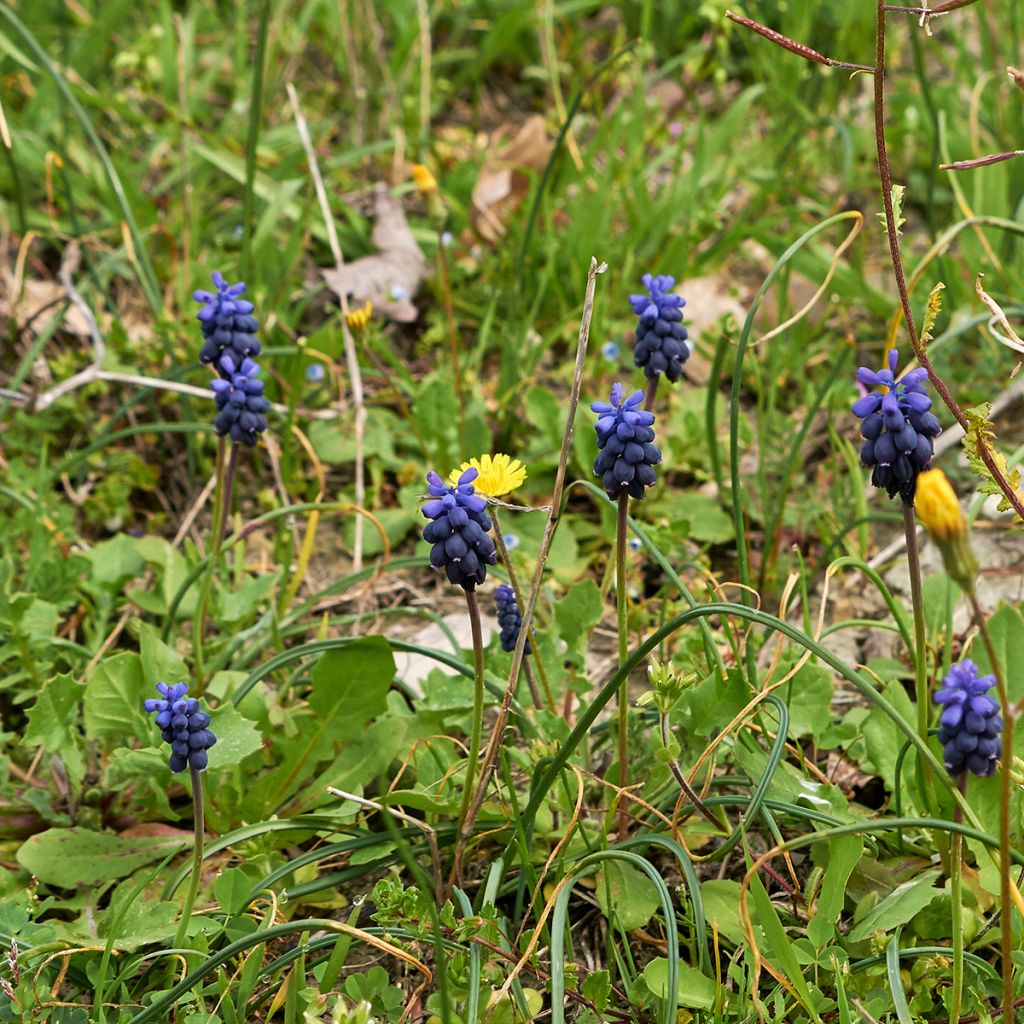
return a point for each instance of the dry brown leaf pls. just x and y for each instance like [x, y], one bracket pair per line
[37, 304]
[390, 278]
[505, 177]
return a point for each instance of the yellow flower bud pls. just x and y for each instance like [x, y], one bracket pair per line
[937, 506]
[424, 179]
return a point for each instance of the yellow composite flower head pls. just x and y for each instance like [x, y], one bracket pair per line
[937, 506]
[359, 318]
[496, 474]
[423, 178]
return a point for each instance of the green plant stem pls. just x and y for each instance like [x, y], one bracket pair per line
[252, 140]
[955, 890]
[920, 637]
[197, 858]
[531, 682]
[476, 727]
[221, 509]
[622, 610]
[1005, 852]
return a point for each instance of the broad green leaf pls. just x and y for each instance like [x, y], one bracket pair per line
[1006, 629]
[135, 919]
[160, 663]
[578, 612]
[236, 605]
[707, 521]
[899, 907]
[230, 888]
[695, 990]
[114, 562]
[627, 892]
[597, 987]
[810, 700]
[53, 723]
[113, 700]
[73, 857]
[844, 853]
[350, 685]
[237, 738]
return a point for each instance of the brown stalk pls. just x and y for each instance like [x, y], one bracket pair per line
[800, 49]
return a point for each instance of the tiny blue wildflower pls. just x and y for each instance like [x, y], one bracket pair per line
[970, 726]
[610, 350]
[660, 335]
[238, 393]
[635, 543]
[399, 292]
[510, 619]
[227, 322]
[897, 428]
[447, 238]
[626, 456]
[183, 725]
[511, 541]
[315, 372]
[458, 530]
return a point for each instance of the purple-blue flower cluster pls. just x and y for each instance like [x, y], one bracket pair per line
[230, 343]
[184, 725]
[970, 727]
[625, 435]
[238, 393]
[458, 530]
[661, 345]
[897, 427]
[510, 619]
[227, 323]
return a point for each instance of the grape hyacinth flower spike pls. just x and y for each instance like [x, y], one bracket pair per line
[184, 725]
[661, 338]
[510, 619]
[227, 322]
[625, 435]
[458, 530]
[970, 726]
[897, 427]
[238, 393]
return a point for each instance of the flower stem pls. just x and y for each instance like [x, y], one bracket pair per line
[213, 557]
[1005, 862]
[650, 391]
[453, 341]
[920, 638]
[197, 858]
[476, 727]
[622, 609]
[683, 782]
[955, 891]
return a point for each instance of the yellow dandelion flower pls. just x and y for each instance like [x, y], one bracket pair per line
[497, 474]
[424, 179]
[936, 505]
[359, 318]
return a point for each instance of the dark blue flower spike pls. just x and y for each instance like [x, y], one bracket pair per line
[510, 619]
[238, 393]
[184, 725]
[661, 345]
[458, 530]
[625, 435]
[970, 727]
[897, 427]
[227, 323]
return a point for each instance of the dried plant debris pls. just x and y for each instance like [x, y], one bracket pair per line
[391, 278]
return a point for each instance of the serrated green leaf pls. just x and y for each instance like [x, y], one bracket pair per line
[899, 907]
[931, 313]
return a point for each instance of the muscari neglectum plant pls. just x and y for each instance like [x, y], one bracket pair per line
[661, 339]
[185, 726]
[625, 462]
[461, 545]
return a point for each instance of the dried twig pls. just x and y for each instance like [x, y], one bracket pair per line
[800, 49]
